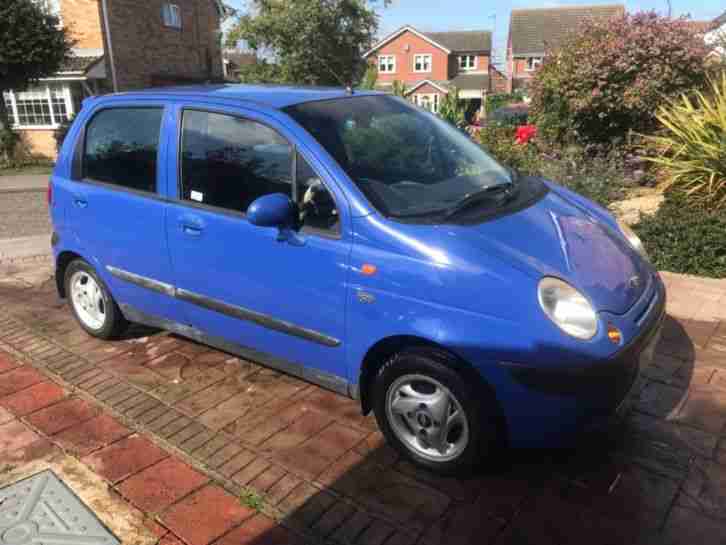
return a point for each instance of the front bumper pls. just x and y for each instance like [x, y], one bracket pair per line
[557, 403]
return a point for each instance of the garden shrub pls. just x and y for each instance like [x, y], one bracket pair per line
[684, 239]
[601, 178]
[691, 151]
[608, 77]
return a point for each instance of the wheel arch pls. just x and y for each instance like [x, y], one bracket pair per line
[381, 352]
[64, 259]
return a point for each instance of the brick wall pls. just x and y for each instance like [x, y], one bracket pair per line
[82, 18]
[146, 52]
[404, 59]
[37, 143]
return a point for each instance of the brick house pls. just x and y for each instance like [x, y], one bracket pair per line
[716, 37]
[431, 63]
[120, 45]
[532, 31]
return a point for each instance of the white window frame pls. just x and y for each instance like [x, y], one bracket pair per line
[171, 15]
[533, 63]
[466, 66]
[55, 123]
[391, 61]
[421, 59]
[434, 97]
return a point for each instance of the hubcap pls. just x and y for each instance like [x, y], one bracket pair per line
[88, 300]
[427, 417]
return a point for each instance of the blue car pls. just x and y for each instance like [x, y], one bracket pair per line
[358, 242]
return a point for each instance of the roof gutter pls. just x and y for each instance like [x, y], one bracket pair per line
[107, 32]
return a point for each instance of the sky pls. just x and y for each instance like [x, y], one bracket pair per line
[433, 15]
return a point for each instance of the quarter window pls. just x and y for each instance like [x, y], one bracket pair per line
[422, 63]
[121, 147]
[467, 62]
[387, 64]
[228, 161]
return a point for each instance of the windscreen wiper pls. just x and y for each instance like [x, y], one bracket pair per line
[498, 192]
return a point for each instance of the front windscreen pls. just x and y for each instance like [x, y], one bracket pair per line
[406, 161]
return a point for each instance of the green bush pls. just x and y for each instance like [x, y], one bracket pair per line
[684, 239]
[494, 102]
[691, 151]
[601, 178]
[608, 77]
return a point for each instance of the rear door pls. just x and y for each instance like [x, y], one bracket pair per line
[118, 205]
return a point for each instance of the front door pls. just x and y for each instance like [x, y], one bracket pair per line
[281, 297]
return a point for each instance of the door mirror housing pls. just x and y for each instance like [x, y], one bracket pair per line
[273, 210]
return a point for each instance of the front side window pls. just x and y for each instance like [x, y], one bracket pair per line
[121, 147]
[407, 162]
[387, 64]
[171, 15]
[533, 63]
[467, 62]
[422, 63]
[229, 161]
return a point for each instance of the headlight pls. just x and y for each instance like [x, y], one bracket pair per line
[567, 308]
[633, 239]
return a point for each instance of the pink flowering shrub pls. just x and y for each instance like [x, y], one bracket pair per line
[525, 133]
[608, 77]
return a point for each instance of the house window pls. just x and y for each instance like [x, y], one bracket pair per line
[467, 62]
[533, 63]
[422, 63]
[387, 64]
[429, 101]
[39, 107]
[171, 15]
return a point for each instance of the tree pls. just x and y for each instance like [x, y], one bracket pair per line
[607, 78]
[316, 42]
[32, 45]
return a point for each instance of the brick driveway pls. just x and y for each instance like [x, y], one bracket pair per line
[324, 471]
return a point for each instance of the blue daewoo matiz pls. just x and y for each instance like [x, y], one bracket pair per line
[363, 244]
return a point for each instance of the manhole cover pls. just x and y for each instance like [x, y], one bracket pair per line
[43, 510]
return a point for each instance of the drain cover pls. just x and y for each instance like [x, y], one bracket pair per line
[43, 510]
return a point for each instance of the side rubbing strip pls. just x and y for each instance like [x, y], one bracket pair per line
[224, 308]
[142, 281]
[261, 319]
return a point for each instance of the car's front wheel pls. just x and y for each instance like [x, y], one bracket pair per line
[432, 415]
[91, 302]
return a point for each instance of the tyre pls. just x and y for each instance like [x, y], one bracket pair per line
[92, 303]
[432, 415]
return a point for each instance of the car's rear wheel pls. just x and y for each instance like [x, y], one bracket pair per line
[92, 303]
[432, 415]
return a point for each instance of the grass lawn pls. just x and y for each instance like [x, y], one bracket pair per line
[30, 169]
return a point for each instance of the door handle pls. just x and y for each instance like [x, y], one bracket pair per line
[191, 225]
[80, 203]
[191, 230]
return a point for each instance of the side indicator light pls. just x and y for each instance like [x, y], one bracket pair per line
[614, 334]
[368, 269]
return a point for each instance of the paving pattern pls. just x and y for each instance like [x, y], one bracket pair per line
[324, 470]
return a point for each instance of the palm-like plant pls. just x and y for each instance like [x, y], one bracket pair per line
[399, 89]
[691, 151]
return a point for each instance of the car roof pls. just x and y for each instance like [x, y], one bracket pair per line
[274, 96]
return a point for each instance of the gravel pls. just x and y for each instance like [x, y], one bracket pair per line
[23, 214]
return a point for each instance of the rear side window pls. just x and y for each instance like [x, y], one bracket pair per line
[228, 161]
[121, 147]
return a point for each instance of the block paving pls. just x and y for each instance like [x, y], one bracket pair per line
[181, 431]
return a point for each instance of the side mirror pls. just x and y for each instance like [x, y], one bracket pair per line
[273, 210]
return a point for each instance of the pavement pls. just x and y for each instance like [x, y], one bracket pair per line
[199, 447]
[24, 222]
[24, 183]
